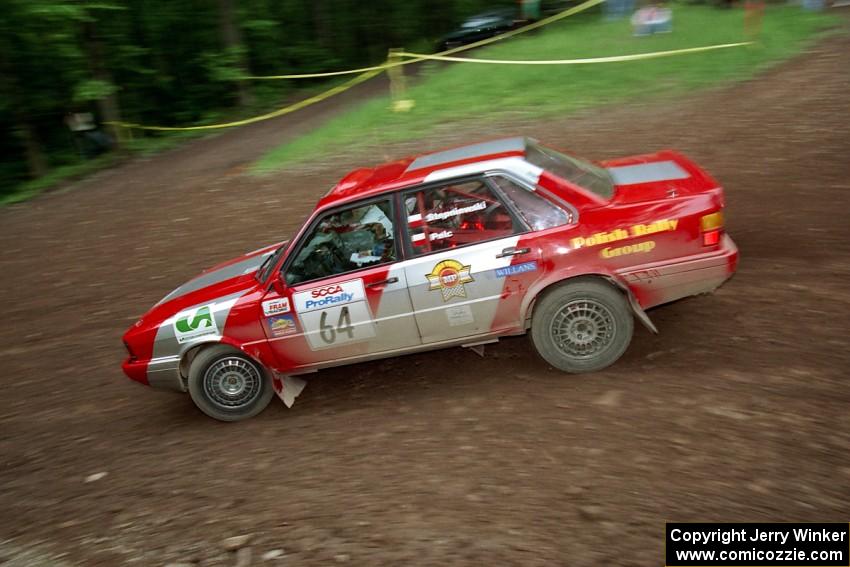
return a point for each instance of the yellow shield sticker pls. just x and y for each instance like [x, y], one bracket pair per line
[449, 276]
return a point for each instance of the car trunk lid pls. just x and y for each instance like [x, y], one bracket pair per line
[662, 175]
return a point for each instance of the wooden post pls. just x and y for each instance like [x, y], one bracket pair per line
[398, 83]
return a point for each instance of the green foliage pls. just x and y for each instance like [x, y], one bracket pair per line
[458, 96]
[167, 62]
[92, 89]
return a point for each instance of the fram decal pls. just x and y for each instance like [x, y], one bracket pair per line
[622, 234]
[517, 269]
[449, 276]
[640, 248]
[275, 306]
[195, 323]
[329, 295]
[282, 325]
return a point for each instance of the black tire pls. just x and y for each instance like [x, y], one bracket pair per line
[227, 385]
[582, 326]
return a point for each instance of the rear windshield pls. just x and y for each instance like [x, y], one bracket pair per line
[576, 171]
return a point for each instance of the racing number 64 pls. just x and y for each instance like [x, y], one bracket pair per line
[343, 325]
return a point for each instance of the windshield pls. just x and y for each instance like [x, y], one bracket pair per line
[577, 171]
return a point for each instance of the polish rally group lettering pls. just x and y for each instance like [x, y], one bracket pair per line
[618, 234]
[640, 248]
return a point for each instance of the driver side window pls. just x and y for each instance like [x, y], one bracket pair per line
[447, 216]
[344, 241]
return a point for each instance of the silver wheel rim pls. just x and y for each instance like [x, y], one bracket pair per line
[232, 382]
[583, 328]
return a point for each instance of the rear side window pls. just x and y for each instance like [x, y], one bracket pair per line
[448, 216]
[575, 170]
[537, 212]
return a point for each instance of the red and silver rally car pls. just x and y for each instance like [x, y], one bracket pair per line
[458, 247]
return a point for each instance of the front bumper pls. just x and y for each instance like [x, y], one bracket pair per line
[160, 373]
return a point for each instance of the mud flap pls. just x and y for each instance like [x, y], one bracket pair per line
[288, 388]
[636, 308]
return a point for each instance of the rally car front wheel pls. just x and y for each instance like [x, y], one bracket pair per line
[582, 326]
[227, 385]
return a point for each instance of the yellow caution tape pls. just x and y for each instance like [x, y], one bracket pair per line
[418, 58]
[366, 73]
[328, 74]
[280, 112]
[612, 59]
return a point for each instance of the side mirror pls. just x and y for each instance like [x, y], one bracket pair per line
[278, 285]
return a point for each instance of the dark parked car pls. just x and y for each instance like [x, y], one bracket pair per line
[478, 27]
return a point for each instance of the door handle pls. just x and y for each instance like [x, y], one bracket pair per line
[512, 251]
[383, 282]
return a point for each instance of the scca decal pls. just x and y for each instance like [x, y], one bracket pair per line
[329, 296]
[323, 291]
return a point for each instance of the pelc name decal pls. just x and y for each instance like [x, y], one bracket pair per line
[449, 276]
[329, 296]
[618, 234]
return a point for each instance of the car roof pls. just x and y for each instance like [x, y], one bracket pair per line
[367, 182]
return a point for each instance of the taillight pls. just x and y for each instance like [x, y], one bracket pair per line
[711, 227]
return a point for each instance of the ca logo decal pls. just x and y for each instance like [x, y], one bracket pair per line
[194, 323]
[202, 318]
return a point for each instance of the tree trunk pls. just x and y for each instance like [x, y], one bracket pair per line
[231, 37]
[22, 126]
[321, 25]
[36, 160]
[108, 106]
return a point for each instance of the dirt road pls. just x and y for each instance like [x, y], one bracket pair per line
[737, 411]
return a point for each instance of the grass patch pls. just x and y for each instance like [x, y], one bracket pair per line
[469, 93]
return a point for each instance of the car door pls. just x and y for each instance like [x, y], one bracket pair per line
[343, 294]
[470, 260]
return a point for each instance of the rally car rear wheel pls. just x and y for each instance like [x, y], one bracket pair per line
[582, 326]
[227, 385]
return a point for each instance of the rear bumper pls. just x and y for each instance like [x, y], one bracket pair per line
[662, 282]
[159, 373]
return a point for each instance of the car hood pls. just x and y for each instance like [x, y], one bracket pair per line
[656, 176]
[235, 276]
